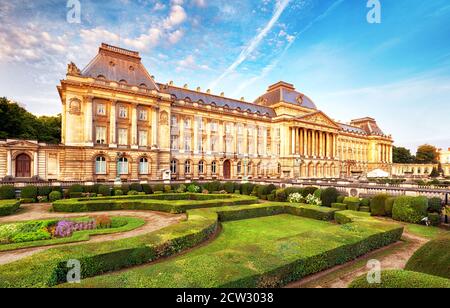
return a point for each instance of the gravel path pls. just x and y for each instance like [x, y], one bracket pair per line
[153, 221]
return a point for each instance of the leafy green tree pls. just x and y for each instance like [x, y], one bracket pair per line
[402, 155]
[427, 154]
[18, 123]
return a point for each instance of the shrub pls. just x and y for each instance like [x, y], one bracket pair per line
[77, 188]
[280, 195]
[291, 190]
[364, 209]
[133, 193]
[214, 186]
[118, 192]
[29, 192]
[352, 203]
[105, 190]
[54, 196]
[44, 190]
[270, 189]
[271, 197]
[340, 199]
[158, 187]
[434, 219]
[136, 187]
[167, 189]
[147, 189]
[388, 206]
[378, 205]
[193, 188]
[435, 205]
[246, 188]
[237, 192]
[313, 200]
[433, 258]
[308, 191]
[399, 279]
[229, 187]
[410, 209]
[103, 222]
[365, 202]
[339, 206]
[7, 192]
[318, 193]
[9, 207]
[329, 196]
[296, 198]
[260, 191]
[181, 188]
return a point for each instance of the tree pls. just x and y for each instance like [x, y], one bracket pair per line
[18, 123]
[427, 154]
[402, 155]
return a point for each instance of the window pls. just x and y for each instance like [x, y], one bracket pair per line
[239, 168]
[173, 121]
[142, 115]
[200, 143]
[214, 127]
[143, 138]
[187, 123]
[100, 134]
[279, 168]
[173, 142]
[123, 136]
[143, 166]
[100, 165]
[101, 109]
[122, 166]
[213, 143]
[187, 143]
[123, 112]
[213, 167]
[250, 168]
[173, 166]
[187, 167]
[201, 167]
[240, 147]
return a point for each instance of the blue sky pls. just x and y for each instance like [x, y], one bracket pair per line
[397, 72]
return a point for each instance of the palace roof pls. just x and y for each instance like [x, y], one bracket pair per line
[285, 92]
[120, 65]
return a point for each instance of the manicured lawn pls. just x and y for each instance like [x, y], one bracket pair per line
[244, 248]
[424, 231]
[119, 224]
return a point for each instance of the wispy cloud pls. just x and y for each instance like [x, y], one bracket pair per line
[254, 43]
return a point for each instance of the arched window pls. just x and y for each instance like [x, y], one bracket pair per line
[101, 77]
[100, 165]
[143, 166]
[123, 81]
[187, 167]
[201, 167]
[123, 166]
[239, 167]
[214, 167]
[173, 166]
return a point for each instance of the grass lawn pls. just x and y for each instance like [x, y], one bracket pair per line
[244, 248]
[424, 231]
[119, 224]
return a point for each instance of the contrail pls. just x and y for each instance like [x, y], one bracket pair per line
[254, 42]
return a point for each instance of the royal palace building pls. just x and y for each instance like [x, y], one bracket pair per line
[118, 123]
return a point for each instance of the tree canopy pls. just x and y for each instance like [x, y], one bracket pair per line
[427, 154]
[402, 156]
[16, 122]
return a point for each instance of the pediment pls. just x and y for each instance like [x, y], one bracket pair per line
[318, 118]
[21, 143]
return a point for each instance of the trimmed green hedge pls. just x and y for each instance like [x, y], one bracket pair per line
[389, 205]
[7, 192]
[8, 207]
[340, 206]
[329, 196]
[410, 209]
[399, 279]
[172, 203]
[29, 192]
[433, 258]
[352, 203]
[378, 205]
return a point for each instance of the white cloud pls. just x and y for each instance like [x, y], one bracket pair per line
[190, 63]
[176, 17]
[200, 3]
[159, 7]
[175, 37]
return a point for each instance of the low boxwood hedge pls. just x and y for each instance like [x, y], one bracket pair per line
[172, 203]
[410, 209]
[352, 203]
[8, 207]
[433, 258]
[7, 192]
[399, 279]
[340, 206]
[378, 205]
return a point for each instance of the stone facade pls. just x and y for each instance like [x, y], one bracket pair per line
[117, 122]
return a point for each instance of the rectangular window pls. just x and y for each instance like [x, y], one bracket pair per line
[213, 143]
[187, 143]
[142, 115]
[123, 112]
[240, 146]
[123, 136]
[100, 135]
[173, 142]
[101, 109]
[143, 138]
[214, 127]
[173, 121]
[187, 123]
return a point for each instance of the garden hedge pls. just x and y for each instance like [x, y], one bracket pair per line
[433, 258]
[8, 207]
[340, 206]
[173, 203]
[410, 209]
[7, 192]
[29, 192]
[329, 196]
[378, 205]
[389, 205]
[399, 279]
[325, 248]
[352, 203]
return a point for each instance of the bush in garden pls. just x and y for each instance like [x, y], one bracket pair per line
[364, 209]
[212, 186]
[118, 192]
[389, 204]
[29, 192]
[147, 189]
[296, 198]
[167, 189]
[269, 189]
[435, 205]
[158, 187]
[378, 205]
[340, 206]
[104, 190]
[125, 188]
[133, 193]
[434, 219]
[410, 209]
[313, 200]
[229, 187]
[103, 222]
[7, 192]
[136, 187]
[271, 197]
[247, 188]
[193, 189]
[329, 196]
[353, 203]
[365, 202]
[42, 199]
[318, 193]
[340, 199]
[54, 196]
[280, 195]
[291, 190]
[237, 192]
[237, 186]
[44, 190]
[77, 188]
[181, 189]
[308, 191]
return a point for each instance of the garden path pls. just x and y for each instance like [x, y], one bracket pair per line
[153, 221]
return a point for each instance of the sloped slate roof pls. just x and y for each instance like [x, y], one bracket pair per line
[117, 64]
[352, 129]
[285, 92]
[209, 99]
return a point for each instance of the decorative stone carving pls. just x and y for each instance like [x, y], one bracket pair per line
[73, 70]
[164, 118]
[75, 106]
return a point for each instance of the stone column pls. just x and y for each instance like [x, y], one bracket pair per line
[35, 164]
[221, 136]
[112, 126]
[321, 144]
[292, 141]
[8, 163]
[88, 119]
[334, 141]
[155, 127]
[314, 143]
[181, 136]
[264, 141]
[134, 125]
[305, 142]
